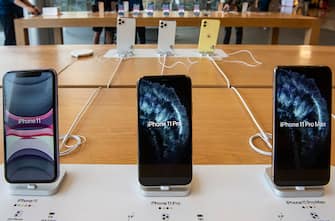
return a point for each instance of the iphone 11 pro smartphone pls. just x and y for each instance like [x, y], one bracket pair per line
[164, 130]
[30, 126]
[166, 36]
[125, 35]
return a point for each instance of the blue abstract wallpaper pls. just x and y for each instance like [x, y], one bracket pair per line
[164, 118]
[302, 107]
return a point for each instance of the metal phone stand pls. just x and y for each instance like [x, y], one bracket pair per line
[166, 191]
[292, 191]
[37, 189]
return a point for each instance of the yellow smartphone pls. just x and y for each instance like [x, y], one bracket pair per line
[209, 32]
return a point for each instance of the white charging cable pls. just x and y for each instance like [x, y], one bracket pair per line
[67, 149]
[188, 65]
[333, 116]
[220, 70]
[162, 64]
[114, 71]
[263, 135]
[70, 148]
[243, 62]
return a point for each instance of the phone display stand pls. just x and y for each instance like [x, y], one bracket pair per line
[167, 53]
[205, 54]
[37, 189]
[292, 191]
[166, 191]
[129, 53]
[216, 55]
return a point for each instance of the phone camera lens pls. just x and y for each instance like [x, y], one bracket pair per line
[205, 26]
[122, 22]
[162, 26]
[165, 24]
[119, 19]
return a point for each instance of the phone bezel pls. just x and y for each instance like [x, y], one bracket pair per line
[55, 117]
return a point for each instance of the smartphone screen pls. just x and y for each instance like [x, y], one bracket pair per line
[30, 126]
[302, 126]
[165, 130]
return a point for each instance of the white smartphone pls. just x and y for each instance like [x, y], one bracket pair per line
[166, 36]
[125, 36]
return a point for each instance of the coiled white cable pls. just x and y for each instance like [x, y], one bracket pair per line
[65, 149]
[263, 135]
[259, 135]
[70, 148]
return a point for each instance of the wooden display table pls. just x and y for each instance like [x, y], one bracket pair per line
[221, 126]
[260, 102]
[110, 126]
[88, 19]
[272, 56]
[95, 71]
[40, 57]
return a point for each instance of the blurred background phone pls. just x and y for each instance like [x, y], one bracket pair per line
[125, 35]
[166, 36]
[209, 32]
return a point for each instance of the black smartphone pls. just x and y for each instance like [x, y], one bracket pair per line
[302, 125]
[30, 126]
[165, 130]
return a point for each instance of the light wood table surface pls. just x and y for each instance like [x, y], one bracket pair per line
[111, 128]
[221, 127]
[260, 102]
[34, 57]
[89, 19]
[95, 71]
[272, 56]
